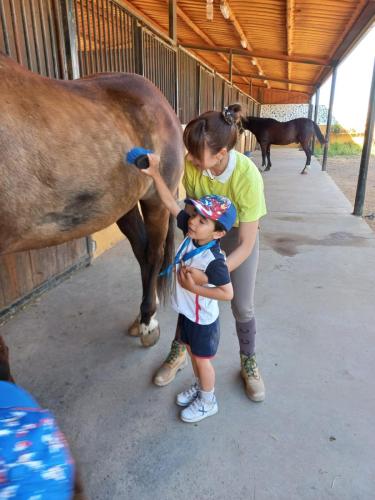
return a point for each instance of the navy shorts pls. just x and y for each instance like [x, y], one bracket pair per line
[202, 339]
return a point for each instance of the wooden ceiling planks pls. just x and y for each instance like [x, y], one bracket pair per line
[291, 29]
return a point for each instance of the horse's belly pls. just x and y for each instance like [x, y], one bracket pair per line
[79, 213]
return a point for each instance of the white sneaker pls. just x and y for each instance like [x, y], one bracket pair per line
[188, 396]
[199, 409]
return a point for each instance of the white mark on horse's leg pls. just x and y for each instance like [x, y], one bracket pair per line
[147, 329]
[134, 328]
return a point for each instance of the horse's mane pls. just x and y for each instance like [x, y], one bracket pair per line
[258, 119]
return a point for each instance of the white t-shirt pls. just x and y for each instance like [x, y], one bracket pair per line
[211, 261]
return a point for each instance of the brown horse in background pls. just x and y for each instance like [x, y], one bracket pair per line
[270, 131]
[63, 176]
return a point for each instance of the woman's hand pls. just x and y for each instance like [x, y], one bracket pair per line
[154, 164]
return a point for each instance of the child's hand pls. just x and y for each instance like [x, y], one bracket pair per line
[199, 277]
[153, 169]
[186, 280]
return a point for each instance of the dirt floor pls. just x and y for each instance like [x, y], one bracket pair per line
[344, 171]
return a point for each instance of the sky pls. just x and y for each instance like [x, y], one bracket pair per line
[353, 84]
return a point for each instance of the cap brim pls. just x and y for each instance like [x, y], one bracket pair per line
[199, 207]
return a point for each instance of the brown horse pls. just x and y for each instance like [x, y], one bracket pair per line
[269, 131]
[63, 176]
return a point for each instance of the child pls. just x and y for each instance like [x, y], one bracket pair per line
[198, 319]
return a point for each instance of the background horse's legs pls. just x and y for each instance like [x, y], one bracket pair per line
[264, 147]
[269, 164]
[305, 143]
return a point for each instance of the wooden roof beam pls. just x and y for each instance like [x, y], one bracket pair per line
[144, 18]
[244, 40]
[262, 55]
[202, 35]
[290, 9]
[280, 80]
[361, 20]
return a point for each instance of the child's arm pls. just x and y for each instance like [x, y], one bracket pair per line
[166, 196]
[223, 292]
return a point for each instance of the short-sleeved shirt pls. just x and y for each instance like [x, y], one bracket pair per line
[241, 182]
[211, 261]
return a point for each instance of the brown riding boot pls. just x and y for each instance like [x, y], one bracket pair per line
[254, 385]
[175, 361]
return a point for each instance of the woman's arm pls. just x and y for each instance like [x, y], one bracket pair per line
[223, 292]
[166, 196]
[246, 239]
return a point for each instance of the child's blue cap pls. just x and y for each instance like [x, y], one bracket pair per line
[216, 207]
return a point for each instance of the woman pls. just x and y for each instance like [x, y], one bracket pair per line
[212, 166]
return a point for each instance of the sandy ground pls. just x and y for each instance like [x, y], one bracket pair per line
[344, 171]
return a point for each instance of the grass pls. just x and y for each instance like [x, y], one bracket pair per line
[336, 149]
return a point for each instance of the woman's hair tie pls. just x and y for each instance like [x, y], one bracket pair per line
[228, 116]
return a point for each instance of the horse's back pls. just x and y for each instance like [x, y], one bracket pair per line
[62, 145]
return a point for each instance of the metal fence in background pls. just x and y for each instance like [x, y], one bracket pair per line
[31, 33]
[107, 37]
[159, 64]
[188, 86]
[206, 89]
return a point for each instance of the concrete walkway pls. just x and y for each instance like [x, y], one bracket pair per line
[313, 437]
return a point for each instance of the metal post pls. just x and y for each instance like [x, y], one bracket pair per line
[316, 115]
[329, 119]
[198, 104]
[172, 19]
[138, 45]
[231, 66]
[70, 39]
[310, 109]
[366, 151]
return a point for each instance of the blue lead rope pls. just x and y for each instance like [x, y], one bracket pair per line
[189, 255]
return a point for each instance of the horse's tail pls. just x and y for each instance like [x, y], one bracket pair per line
[165, 282]
[319, 134]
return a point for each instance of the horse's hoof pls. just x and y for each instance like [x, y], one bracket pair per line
[134, 330]
[151, 338]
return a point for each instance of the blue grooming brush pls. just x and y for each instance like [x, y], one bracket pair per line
[138, 157]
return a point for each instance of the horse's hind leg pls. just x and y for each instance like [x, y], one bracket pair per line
[156, 219]
[263, 148]
[132, 226]
[306, 147]
[266, 156]
[269, 164]
[5, 374]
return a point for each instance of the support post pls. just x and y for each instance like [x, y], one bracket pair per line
[366, 151]
[316, 115]
[329, 119]
[172, 18]
[138, 43]
[231, 67]
[310, 109]
[71, 70]
[198, 104]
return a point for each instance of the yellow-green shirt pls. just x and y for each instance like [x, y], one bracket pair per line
[241, 182]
